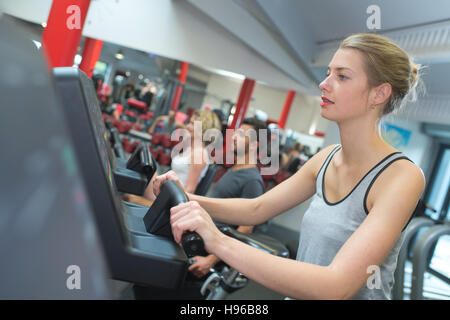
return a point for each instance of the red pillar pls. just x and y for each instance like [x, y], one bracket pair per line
[243, 102]
[91, 52]
[286, 108]
[179, 89]
[62, 35]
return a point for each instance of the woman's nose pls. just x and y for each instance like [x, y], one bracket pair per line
[324, 85]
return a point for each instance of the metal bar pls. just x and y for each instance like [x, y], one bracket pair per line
[420, 258]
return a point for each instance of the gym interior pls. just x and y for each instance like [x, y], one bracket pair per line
[84, 85]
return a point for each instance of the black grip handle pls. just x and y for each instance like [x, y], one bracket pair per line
[193, 244]
[157, 219]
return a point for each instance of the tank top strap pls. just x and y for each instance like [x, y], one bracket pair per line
[370, 178]
[322, 169]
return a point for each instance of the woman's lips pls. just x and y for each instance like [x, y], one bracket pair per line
[326, 102]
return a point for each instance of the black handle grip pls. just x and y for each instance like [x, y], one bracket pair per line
[193, 244]
[157, 219]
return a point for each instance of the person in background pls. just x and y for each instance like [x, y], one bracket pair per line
[243, 180]
[147, 94]
[169, 123]
[191, 164]
[293, 159]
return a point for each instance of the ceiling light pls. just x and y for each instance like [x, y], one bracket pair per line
[37, 44]
[119, 55]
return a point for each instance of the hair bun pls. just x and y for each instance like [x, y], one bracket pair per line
[414, 75]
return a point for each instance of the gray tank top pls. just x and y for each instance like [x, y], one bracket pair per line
[327, 226]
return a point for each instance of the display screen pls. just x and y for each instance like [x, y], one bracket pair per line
[49, 247]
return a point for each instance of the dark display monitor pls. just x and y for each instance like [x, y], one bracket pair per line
[49, 248]
[78, 94]
[151, 260]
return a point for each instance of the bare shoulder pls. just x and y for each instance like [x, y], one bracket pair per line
[402, 180]
[406, 171]
[314, 164]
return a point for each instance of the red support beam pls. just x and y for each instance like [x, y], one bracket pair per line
[286, 108]
[184, 67]
[243, 102]
[91, 52]
[62, 34]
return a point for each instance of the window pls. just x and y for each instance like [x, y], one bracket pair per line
[439, 190]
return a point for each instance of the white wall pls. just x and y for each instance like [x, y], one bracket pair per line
[171, 28]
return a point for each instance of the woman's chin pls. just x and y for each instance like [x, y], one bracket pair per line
[326, 115]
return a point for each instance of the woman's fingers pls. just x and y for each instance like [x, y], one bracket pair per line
[158, 181]
[181, 209]
[189, 222]
[191, 216]
[185, 217]
[170, 175]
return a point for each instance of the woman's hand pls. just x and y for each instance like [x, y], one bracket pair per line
[190, 216]
[170, 175]
[202, 266]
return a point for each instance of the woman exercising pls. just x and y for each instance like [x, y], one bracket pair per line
[364, 191]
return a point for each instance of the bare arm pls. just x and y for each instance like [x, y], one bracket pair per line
[393, 204]
[137, 199]
[197, 165]
[152, 128]
[248, 212]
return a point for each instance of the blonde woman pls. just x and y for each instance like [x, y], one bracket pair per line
[364, 191]
[192, 164]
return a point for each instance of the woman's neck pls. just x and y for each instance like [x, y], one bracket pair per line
[361, 142]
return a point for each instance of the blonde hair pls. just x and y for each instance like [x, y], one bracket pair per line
[386, 62]
[297, 146]
[209, 120]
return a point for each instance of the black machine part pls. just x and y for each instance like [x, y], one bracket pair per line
[157, 219]
[257, 240]
[142, 161]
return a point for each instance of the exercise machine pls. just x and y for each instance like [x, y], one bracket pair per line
[51, 247]
[80, 104]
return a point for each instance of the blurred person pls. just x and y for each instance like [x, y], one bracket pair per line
[242, 180]
[293, 160]
[191, 164]
[169, 123]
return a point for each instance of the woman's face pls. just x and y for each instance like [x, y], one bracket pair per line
[195, 128]
[345, 90]
[190, 125]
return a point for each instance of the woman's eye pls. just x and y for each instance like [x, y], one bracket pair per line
[342, 77]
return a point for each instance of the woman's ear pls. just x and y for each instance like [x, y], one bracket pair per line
[381, 94]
